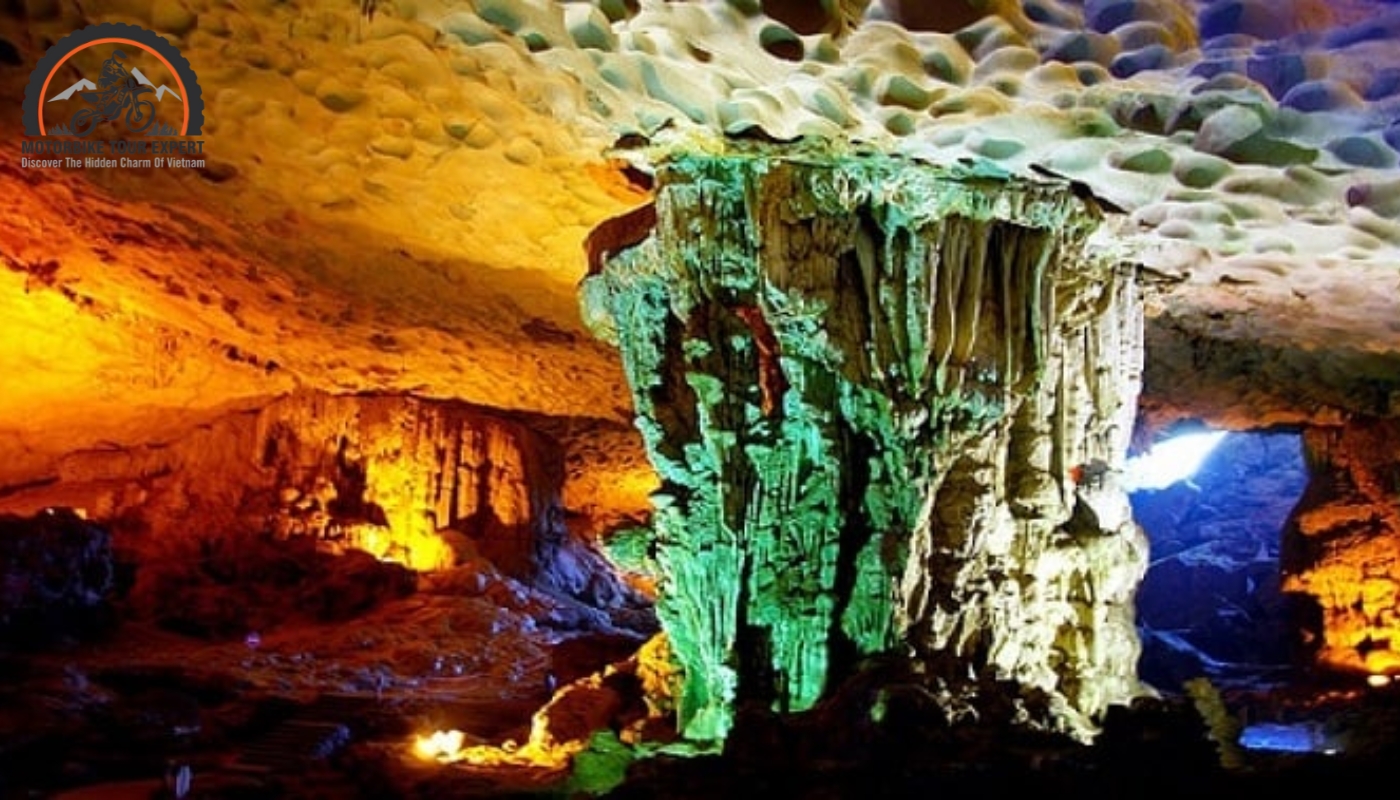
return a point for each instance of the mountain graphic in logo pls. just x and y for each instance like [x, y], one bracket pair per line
[85, 85]
[161, 90]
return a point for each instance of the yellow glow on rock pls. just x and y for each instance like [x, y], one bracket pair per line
[439, 745]
[541, 750]
[1355, 594]
[417, 548]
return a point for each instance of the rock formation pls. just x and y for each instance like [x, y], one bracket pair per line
[884, 400]
[1340, 548]
[427, 484]
[56, 579]
[886, 394]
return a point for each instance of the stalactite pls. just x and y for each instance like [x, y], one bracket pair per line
[904, 488]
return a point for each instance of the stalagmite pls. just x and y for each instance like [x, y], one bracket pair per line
[950, 350]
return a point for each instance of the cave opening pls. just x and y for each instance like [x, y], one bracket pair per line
[1214, 505]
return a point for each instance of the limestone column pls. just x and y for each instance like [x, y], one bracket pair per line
[885, 401]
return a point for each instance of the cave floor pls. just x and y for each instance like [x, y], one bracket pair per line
[1311, 735]
[331, 710]
[302, 710]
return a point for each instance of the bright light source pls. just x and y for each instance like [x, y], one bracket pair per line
[1168, 462]
[1378, 680]
[439, 746]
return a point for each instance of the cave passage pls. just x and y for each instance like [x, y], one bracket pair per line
[1211, 602]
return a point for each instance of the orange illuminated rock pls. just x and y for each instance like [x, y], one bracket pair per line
[1343, 549]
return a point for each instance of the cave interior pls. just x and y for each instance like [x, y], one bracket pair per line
[637, 398]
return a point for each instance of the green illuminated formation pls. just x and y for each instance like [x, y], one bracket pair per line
[852, 373]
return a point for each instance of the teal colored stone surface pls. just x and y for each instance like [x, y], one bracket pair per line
[809, 338]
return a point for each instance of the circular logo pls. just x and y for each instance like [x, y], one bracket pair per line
[167, 102]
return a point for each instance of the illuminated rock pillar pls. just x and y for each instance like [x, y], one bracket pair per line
[1341, 546]
[866, 385]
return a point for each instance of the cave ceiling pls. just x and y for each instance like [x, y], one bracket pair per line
[397, 201]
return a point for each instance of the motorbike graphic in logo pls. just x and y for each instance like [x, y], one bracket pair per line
[117, 91]
[122, 94]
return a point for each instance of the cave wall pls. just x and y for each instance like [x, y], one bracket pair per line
[1218, 366]
[1341, 545]
[423, 482]
[393, 472]
[871, 390]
